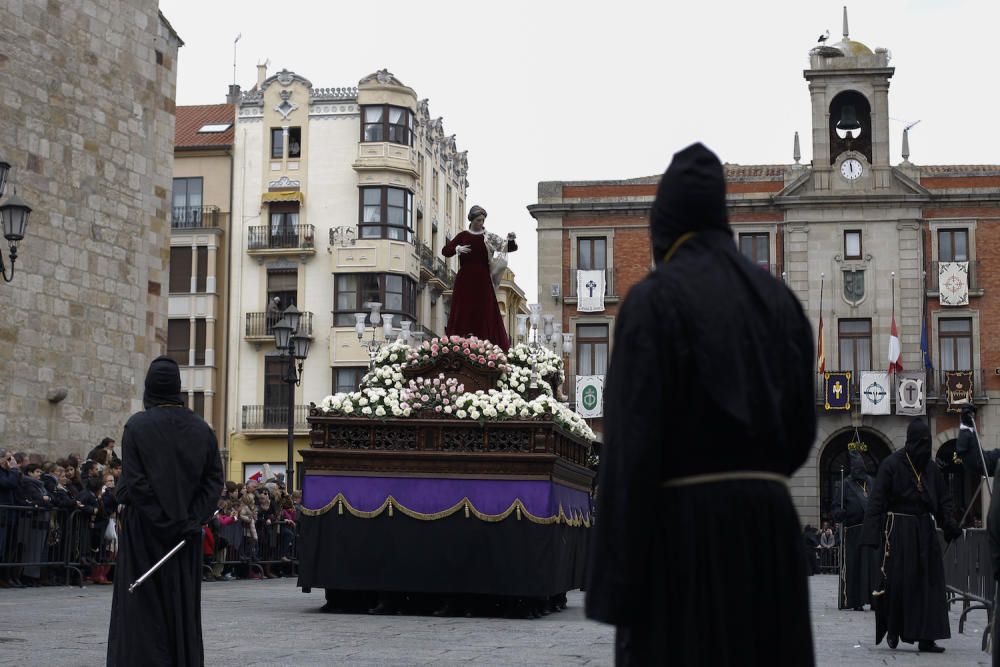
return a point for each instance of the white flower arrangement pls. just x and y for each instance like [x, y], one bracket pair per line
[385, 392]
[542, 360]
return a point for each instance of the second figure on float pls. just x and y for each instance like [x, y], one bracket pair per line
[474, 309]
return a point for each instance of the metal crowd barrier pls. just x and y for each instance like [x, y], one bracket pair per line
[275, 546]
[968, 575]
[68, 543]
[829, 560]
[63, 541]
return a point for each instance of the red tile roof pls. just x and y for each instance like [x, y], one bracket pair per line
[193, 118]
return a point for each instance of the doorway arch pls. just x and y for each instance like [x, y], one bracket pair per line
[834, 457]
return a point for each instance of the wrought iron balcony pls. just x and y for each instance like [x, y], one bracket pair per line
[933, 287]
[292, 237]
[426, 256]
[258, 325]
[273, 417]
[934, 391]
[197, 217]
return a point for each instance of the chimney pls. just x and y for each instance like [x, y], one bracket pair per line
[261, 74]
[233, 96]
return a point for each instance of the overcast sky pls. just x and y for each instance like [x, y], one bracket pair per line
[582, 90]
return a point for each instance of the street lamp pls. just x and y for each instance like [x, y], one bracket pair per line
[373, 345]
[14, 220]
[292, 346]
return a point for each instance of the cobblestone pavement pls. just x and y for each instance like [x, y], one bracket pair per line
[271, 622]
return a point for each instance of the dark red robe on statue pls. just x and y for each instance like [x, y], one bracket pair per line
[474, 309]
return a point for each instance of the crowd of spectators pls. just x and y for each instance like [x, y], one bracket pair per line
[44, 502]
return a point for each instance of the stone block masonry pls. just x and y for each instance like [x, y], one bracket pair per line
[87, 122]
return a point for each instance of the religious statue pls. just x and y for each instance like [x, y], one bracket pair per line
[474, 309]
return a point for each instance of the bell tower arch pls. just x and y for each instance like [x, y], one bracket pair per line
[849, 89]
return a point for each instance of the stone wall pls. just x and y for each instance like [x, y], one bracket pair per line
[87, 95]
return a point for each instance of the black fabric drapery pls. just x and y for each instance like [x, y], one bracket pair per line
[453, 554]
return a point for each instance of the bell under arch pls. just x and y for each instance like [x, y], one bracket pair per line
[850, 128]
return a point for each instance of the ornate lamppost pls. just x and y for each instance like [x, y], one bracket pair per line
[293, 346]
[14, 220]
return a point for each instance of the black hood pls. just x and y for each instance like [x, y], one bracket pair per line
[691, 198]
[918, 443]
[857, 462]
[163, 383]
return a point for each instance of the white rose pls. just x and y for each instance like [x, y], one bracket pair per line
[460, 414]
[380, 411]
[447, 409]
[366, 411]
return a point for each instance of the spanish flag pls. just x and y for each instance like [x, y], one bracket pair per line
[820, 354]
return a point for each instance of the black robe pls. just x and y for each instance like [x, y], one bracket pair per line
[859, 565]
[709, 573]
[170, 485]
[913, 606]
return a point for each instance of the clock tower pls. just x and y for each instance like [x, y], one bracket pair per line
[849, 87]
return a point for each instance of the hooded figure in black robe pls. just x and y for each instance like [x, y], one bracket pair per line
[993, 533]
[697, 549]
[859, 566]
[910, 603]
[170, 485]
[967, 449]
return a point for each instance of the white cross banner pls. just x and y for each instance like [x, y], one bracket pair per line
[590, 395]
[953, 283]
[875, 396]
[590, 291]
[910, 396]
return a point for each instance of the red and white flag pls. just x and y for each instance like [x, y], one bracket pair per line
[895, 353]
[820, 352]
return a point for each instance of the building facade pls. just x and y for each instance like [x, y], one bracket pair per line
[860, 240]
[201, 197]
[88, 127]
[341, 197]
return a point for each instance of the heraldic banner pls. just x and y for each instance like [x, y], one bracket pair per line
[958, 389]
[953, 283]
[911, 398]
[837, 390]
[875, 396]
[590, 291]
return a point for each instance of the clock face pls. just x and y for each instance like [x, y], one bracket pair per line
[851, 169]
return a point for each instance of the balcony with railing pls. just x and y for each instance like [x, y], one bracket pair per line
[935, 387]
[291, 239]
[198, 217]
[426, 257]
[273, 418]
[259, 326]
[933, 273]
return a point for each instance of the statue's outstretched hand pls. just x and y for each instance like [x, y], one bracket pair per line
[462, 249]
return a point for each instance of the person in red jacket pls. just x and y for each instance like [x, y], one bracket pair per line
[474, 309]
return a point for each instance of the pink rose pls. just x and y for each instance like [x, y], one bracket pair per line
[437, 408]
[467, 352]
[434, 353]
[425, 398]
[491, 364]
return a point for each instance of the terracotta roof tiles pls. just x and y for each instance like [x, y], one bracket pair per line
[191, 119]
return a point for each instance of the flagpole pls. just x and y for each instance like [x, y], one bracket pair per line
[822, 350]
[892, 288]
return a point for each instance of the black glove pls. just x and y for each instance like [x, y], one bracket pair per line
[952, 533]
